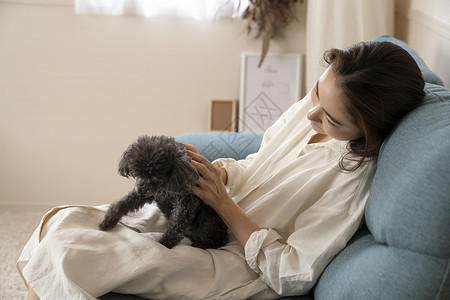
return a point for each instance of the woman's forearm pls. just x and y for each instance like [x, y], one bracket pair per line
[237, 220]
[233, 216]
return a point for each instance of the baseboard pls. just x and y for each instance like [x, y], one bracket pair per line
[27, 206]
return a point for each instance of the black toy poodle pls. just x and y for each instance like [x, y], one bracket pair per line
[164, 175]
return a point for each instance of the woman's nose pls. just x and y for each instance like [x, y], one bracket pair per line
[314, 114]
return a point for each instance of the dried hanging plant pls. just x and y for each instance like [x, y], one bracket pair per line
[270, 17]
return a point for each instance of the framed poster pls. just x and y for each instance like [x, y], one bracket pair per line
[268, 91]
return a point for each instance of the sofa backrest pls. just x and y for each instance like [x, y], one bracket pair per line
[214, 145]
[409, 205]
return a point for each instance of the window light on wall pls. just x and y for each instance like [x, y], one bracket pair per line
[196, 9]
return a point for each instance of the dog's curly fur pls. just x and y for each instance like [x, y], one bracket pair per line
[164, 175]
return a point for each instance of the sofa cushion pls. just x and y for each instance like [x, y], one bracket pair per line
[368, 270]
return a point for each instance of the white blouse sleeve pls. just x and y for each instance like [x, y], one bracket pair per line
[235, 168]
[292, 267]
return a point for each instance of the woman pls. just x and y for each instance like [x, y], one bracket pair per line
[290, 208]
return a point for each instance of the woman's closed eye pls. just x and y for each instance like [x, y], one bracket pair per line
[331, 122]
[329, 118]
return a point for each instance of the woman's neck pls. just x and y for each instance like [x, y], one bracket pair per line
[319, 138]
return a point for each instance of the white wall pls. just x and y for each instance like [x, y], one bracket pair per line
[425, 26]
[76, 90]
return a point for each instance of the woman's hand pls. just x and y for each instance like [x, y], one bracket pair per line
[211, 185]
[211, 189]
[223, 172]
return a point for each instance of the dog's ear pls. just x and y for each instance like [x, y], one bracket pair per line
[183, 175]
[125, 163]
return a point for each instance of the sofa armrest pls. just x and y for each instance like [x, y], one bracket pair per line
[213, 145]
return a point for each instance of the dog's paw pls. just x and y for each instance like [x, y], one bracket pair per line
[168, 241]
[107, 225]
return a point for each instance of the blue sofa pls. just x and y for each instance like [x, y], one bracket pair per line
[403, 250]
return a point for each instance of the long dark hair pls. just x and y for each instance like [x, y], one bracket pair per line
[381, 83]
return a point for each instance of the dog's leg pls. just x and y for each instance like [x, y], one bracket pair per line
[131, 202]
[179, 221]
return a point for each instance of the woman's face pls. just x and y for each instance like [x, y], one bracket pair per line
[329, 115]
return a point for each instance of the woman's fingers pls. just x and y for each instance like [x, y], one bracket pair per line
[210, 174]
[198, 158]
[202, 170]
[190, 147]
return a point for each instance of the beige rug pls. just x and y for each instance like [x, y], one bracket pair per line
[17, 223]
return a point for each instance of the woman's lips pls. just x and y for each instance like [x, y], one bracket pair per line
[315, 126]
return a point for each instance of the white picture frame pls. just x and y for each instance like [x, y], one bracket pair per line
[266, 92]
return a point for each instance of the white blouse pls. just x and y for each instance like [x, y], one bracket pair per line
[308, 206]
